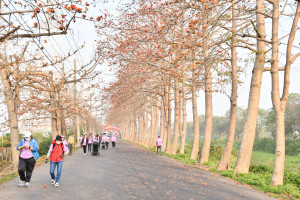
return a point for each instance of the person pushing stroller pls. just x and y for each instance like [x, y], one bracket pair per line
[95, 147]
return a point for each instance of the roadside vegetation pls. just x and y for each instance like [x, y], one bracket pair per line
[260, 171]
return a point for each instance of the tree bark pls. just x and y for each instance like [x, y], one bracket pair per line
[165, 122]
[246, 147]
[208, 113]
[156, 123]
[162, 125]
[168, 145]
[54, 125]
[146, 127]
[225, 159]
[279, 104]
[208, 93]
[12, 109]
[173, 149]
[152, 124]
[184, 121]
[195, 149]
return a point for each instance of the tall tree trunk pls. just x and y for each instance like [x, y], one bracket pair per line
[195, 149]
[279, 104]
[162, 128]
[77, 127]
[184, 121]
[246, 147]
[140, 128]
[54, 125]
[168, 145]
[180, 115]
[165, 122]
[59, 122]
[156, 123]
[12, 108]
[135, 139]
[176, 118]
[208, 96]
[151, 128]
[63, 125]
[225, 159]
[146, 127]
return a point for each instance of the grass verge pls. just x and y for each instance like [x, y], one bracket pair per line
[260, 171]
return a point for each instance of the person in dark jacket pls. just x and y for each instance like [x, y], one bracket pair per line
[56, 152]
[84, 143]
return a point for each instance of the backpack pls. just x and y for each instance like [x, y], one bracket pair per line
[62, 146]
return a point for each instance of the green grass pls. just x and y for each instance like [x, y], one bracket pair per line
[184, 158]
[292, 163]
[260, 174]
[260, 171]
[6, 177]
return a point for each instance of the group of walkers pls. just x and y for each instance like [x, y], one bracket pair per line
[58, 149]
[29, 154]
[101, 139]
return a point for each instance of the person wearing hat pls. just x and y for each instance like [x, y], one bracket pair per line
[56, 152]
[29, 154]
[64, 141]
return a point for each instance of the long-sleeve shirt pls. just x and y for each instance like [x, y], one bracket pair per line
[158, 142]
[26, 152]
[71, 140]
[84, 141]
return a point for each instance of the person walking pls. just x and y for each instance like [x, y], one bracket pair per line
[90, 142]
[107, 141]
[71, 143]
[158, 145]
[64, 141]
[57, 151]
[84, 143]
[29, 154]
[113, 140]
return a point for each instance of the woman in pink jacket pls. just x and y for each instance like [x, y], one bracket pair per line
[113, 140]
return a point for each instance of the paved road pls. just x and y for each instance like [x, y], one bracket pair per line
[128, 172]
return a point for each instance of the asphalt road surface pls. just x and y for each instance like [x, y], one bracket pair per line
[127, 172]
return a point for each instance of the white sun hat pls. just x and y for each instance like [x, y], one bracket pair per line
[27, 134]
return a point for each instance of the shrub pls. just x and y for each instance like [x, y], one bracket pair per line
[216, 149]
[44, 144]
[259, 168]
[268, 145]
[292, 147]
[264, 145]
[292, 178]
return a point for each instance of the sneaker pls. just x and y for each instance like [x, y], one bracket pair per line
[52, 181]
[21, 184]
[56, 184]
[26, 184]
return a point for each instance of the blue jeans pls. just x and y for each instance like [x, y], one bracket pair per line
[59, 169]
